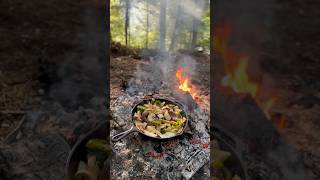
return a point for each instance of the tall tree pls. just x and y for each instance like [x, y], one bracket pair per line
[162, 25]
[176, 27]
[147, 28]
[127, 20]
[194, 37]
[196, 22]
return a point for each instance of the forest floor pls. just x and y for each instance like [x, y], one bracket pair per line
[49, 27]
[33, 32]
[123, 68]
[295, 69]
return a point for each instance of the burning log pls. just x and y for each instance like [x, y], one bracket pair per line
[189, 94]
[187, 100]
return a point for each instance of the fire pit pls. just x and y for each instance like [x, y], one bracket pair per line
[145, 157]
[140, 157]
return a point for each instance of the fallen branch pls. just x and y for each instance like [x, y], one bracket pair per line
[13, 133]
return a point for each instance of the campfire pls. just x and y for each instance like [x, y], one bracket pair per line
[186, 86]
[236, 66]
[184, 155]
[245, 105]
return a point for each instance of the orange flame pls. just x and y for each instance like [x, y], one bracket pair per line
[185, 85]
[239, 80]
[237, 77]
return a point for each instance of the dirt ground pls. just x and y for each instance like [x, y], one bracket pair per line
[296, 71]
[32, 32]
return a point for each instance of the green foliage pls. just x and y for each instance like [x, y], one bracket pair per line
[138, 25]
[117, 20]
[204, 30]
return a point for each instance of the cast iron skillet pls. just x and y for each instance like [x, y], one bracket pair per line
[133, 128]
[78, 152]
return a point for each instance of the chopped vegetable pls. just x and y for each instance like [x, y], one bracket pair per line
[98, 144]
[156, 123]
[177, 124]
[163, 119]
[137, 116]
[157, 102]
[236, 177]
[141, 108]
[97, 153]
[99, 149]
[88, 170]
[163, 130]
[221, 172]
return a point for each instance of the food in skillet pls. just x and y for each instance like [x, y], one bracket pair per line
[159, 119]
[97, 154]
[220, 171]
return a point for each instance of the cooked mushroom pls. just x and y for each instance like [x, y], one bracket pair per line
[151, 117]
[88, 171]
[167, 115]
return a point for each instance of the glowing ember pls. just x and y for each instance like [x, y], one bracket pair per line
[237, 77]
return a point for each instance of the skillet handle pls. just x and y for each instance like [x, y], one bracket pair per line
[121, 135]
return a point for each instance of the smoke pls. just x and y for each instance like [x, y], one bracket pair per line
[83, 73]
[159, 74]
[194, 9]
[289, 163]
[250, 20]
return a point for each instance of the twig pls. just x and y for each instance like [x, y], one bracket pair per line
[13, 133]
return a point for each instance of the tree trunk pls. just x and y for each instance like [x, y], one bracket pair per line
[176, 27]
[194, 37]
[147, 29]
[196, 22]
[126, 26]
[162, 24]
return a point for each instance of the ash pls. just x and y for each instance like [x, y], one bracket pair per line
[138, 156]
